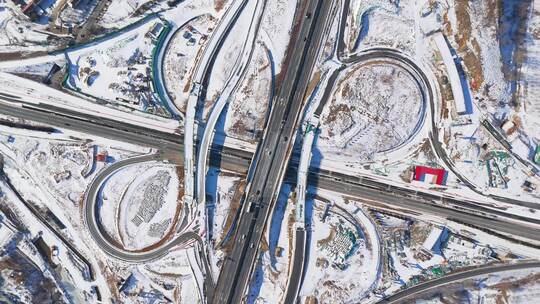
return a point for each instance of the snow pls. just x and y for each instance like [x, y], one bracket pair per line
[75, 280]
[36, 93]
[457, 90]
[358, 123]
[121, 13]
[156, 179]
[77, 15]
[328, 282]
[530, 76]
[19, 34]
[465, 246]
[37, 69]
[124, 195]
[227, 58]
[117, 73]
[271, 273]
[517, 287]
[276, 27]
[7, 231]
[247, 111]
[181, 54]
[363, 32]
[221, 189]
[60, 166]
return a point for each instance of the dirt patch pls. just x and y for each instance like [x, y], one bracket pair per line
[337, 111]
[328, 239]
[468, 47]
[312, 84]
[17, 268]
[239, 127]
[219, 4]
[20, 55]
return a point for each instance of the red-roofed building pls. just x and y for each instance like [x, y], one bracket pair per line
[101, 157]
[439, 174]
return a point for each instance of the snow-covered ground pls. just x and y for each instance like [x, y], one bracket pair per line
[121, 13]
[364, 20]
[530, 78]
[228, 56]
[19, 35]
[36, 93]
[375, 107]
[409, 253]
[120, 73]
[276, 29]
[332, 276]
[139, 204]
[273, 267]
[60, 166]
[52, 171]
[40, 71]
[181, 55]
[247, 110]
[71, 281]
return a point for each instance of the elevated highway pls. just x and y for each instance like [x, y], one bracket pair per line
[200, 82]
[238, 160]
[270, 162]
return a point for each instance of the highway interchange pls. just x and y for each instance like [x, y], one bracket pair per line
[268, 168]
[270, 162]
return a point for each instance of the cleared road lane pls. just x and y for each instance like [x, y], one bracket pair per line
[238, 161]
[409, 293]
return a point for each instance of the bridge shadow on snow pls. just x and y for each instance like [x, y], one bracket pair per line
[256, 283]
[212, 175]
[276, 221]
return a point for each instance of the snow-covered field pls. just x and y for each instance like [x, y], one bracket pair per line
[530, 77]
[139, 204]
[61, 168]
[121, 13]
[365, 17]
[375, 107]
[27, 263]
[276, 28]
[121, 73]
[334, 278]
[228, 58]
[36, 93]
[375, 124]
[247, 111]
[411, 249]
[273, 267]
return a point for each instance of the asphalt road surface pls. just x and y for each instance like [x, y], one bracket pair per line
[102, 239]
[169, 144]
[237, 160]
[409, 293]
[274, 152]
[297, 271]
